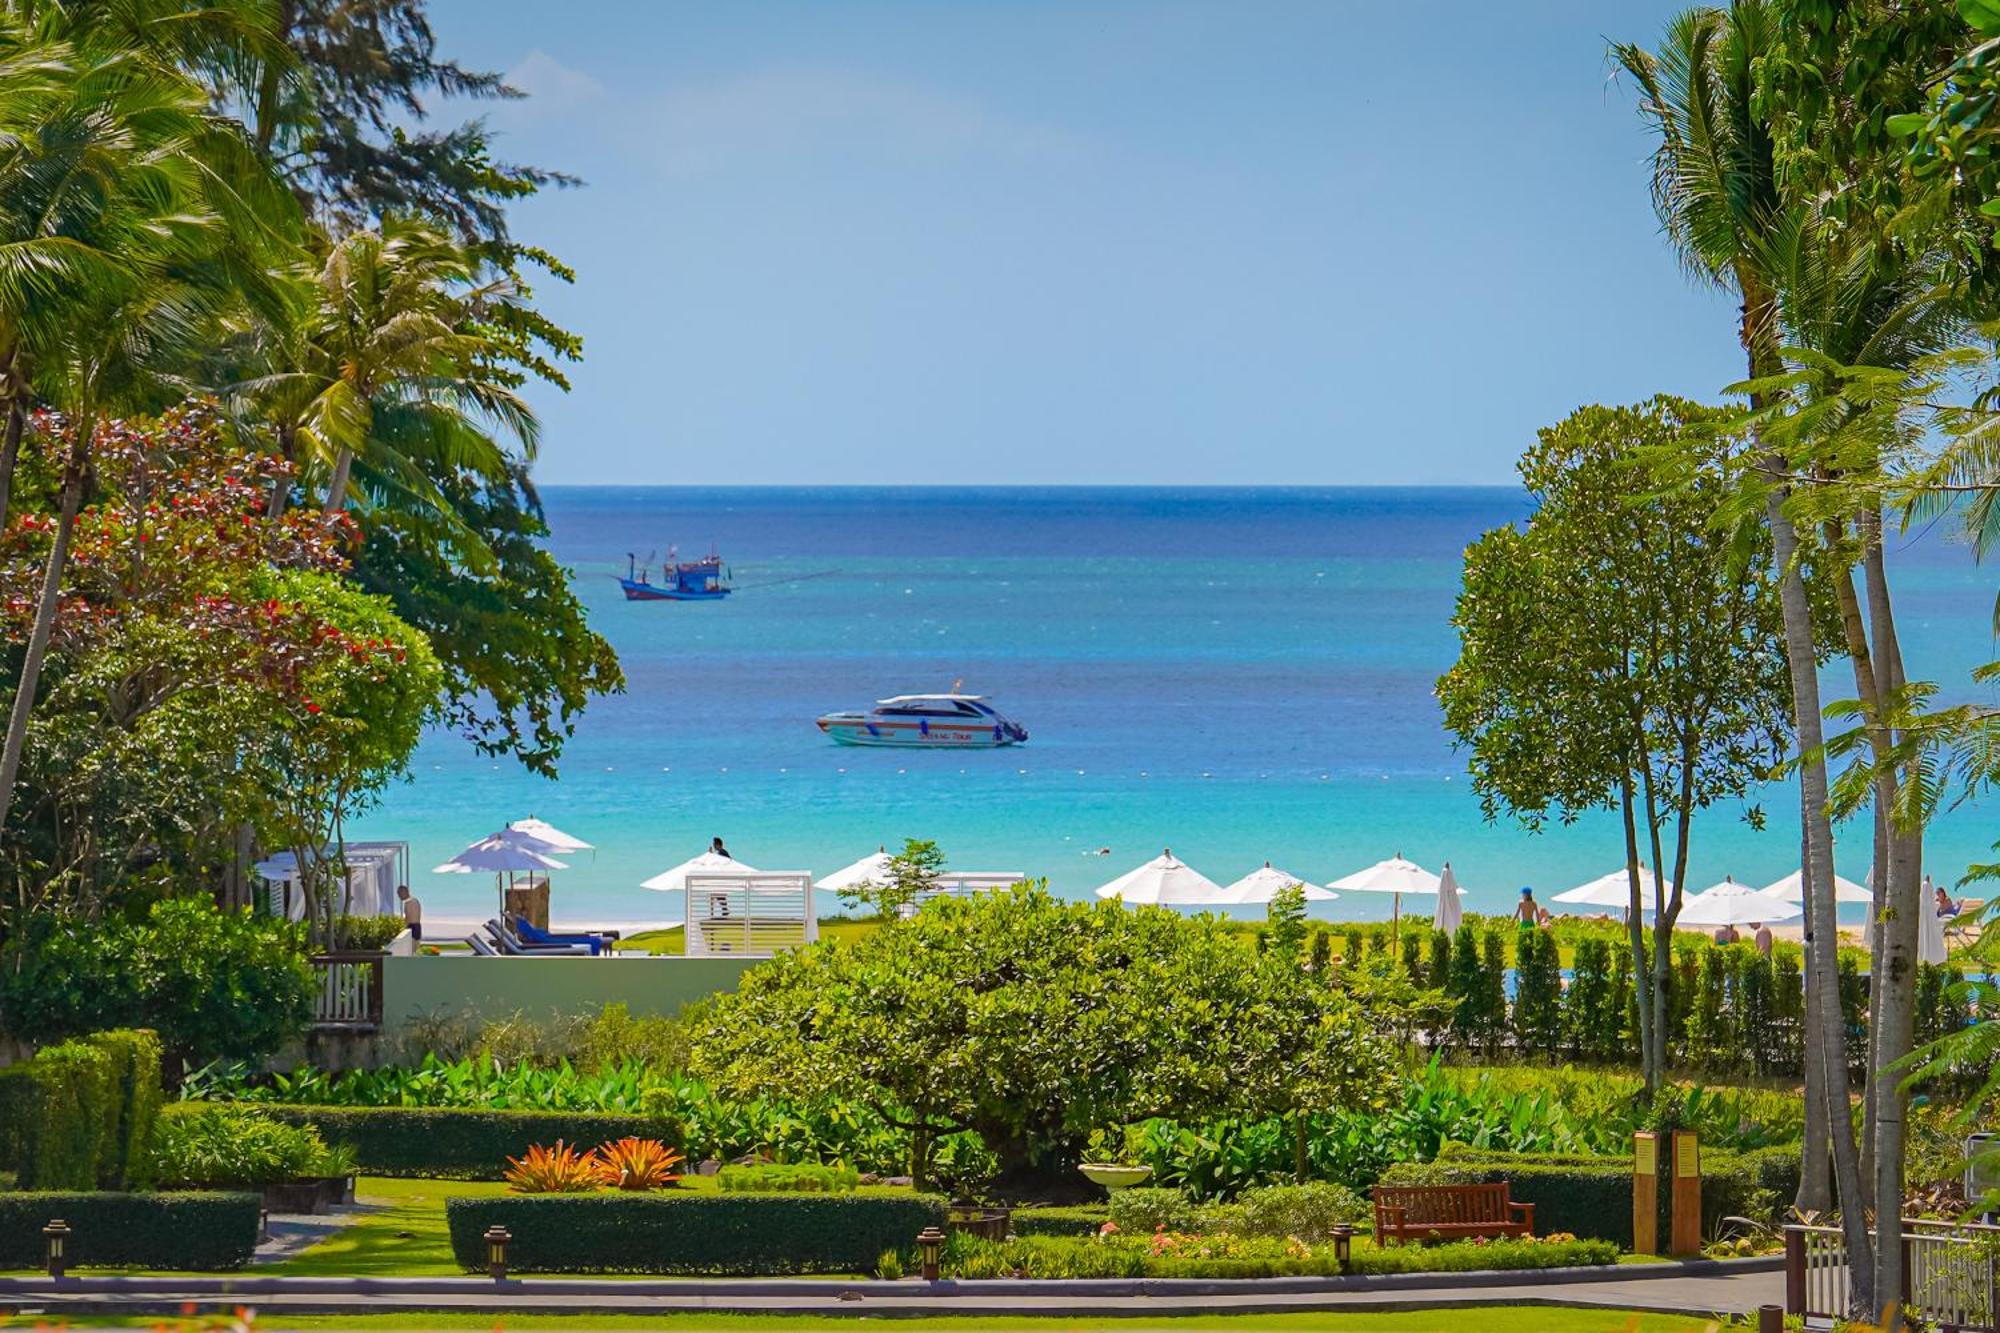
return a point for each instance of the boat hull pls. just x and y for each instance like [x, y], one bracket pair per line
[653, 592]
[945, 735]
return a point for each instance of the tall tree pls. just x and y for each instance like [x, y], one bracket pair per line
[1617, 652]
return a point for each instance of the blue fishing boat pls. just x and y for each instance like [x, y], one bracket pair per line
[703, 580]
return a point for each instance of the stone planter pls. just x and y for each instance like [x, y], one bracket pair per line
[1115, 1177]
[312, 1194]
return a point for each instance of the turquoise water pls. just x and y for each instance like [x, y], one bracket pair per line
[1240, 674]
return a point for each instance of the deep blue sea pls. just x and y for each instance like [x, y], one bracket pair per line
[1240, 674]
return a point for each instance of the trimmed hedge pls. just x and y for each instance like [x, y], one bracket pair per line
[1078, 1220]
[54, 1113]
[1592, 1196]
[202, 1232]
[453, 1143]
[134, 1106]
[740, 1235]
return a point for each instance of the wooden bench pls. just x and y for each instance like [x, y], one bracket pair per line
[1449, 1212]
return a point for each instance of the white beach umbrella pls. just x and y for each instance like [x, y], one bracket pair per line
[870, 869]
[1394, 876]
[1449, 913]
[1792, 889]
[549, 835]
[708, 863]
[1164, 881]
[1733, 904]
[1613, 890]
[502, 853]
[1263, 884]
[1930, 927]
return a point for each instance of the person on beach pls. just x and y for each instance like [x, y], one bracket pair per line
[413, 911]
[716, 848]
[1762, 938]
[1726, 935]
[1527, 915]
[1945, 906]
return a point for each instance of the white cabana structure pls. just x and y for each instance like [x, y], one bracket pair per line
[1792, 889]
[1394, 876]
[742, 912]
[1733, 904]
[1449, 911]
[708, 863]
[1930, 927]
[1614, 890]
[549, 836]
[1164, 881]
[374, 872]
[870, 869]
[1263, 884]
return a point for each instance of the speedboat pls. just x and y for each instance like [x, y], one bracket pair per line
[956, 721]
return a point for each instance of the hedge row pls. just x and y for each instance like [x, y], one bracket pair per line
[79, 1114]
[1592, 1196]
[452, 1143]
[200, 1232]
[1078, 1220]
[740, 1235]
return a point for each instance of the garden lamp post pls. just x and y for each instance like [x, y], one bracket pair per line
[496, 1251]
[930, 1244]
[1343, 1244]
[57, 1235]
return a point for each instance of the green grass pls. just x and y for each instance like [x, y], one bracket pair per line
[404, 1237]
[1487, 1320]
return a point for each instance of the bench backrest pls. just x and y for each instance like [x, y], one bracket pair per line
[1446, 1204]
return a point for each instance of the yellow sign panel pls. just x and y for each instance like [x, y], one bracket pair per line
[1646, 1155]
[1687, 1156]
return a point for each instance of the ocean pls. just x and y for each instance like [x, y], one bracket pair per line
[1239, 674]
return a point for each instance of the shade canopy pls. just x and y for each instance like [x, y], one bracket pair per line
[1449, 911]
[1264, 883]
[1930, 927]
[708, 863]
[502, 853]
[1394, 875]
[1614, 890]
[870, 869]
[1792, 889]
[1733, 904]
[1164, 881]
[549, 835]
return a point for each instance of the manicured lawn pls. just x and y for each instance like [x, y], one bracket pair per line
[1486, 1320]
[404, 1238]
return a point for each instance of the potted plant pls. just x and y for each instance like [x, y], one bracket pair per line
[1111, 1159]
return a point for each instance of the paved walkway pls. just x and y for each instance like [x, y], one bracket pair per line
[1650, 1289]
[287, 1234]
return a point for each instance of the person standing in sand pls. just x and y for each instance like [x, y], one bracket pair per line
[413, 911]
[1527, 914]
[1762, 938]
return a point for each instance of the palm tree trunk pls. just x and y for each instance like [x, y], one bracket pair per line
[1649, 1032]
[82, 431]
[336, 486]
[1815, 1191]
[281, 488]
[10, 449]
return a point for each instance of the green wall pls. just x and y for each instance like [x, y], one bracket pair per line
[543, 987]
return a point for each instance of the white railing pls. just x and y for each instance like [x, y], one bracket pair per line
[952, 882]
[1950, 1267]
[749, 914]
[350, 990]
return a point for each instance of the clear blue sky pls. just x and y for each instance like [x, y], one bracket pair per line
[1096, 242]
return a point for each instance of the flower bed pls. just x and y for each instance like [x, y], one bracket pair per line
[1167, 1254]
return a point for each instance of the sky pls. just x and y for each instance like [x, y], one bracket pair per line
[1088, 241]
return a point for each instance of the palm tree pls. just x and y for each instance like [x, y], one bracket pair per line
[164, 217]
[382, 364]
[1715, 189]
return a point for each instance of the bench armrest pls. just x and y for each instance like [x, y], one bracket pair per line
[1527, 1212]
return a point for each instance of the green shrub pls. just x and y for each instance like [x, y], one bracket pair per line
[741, 1235]
[367, 934]
[199, 1232]
[55, 1113]
[1148, 1209]
[1310, 1211]
[452, 1143]
[1472, 1257]
[235, 1146]
[1196, 1257]
[134, 1105]
[1079, 1220]
[1537, 994]
[789, 1178]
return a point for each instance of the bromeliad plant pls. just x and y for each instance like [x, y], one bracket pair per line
[558, 1170]
[634, 1163]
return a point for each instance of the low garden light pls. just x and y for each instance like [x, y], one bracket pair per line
[56, 1233]
[930, 1246]
[496, 1251]
[1343, 1244]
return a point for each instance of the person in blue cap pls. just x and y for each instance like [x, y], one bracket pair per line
[1528, 914]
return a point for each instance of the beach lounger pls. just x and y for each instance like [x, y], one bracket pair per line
[511, 944]
[533, 936]
[477, 943]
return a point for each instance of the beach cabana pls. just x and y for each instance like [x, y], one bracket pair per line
[1733, 904]
[1163, 881]
[1394, 876]
[1449, 910]
[1263, 884]
[1792, 889]
[708, 863]
[1614, 890]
